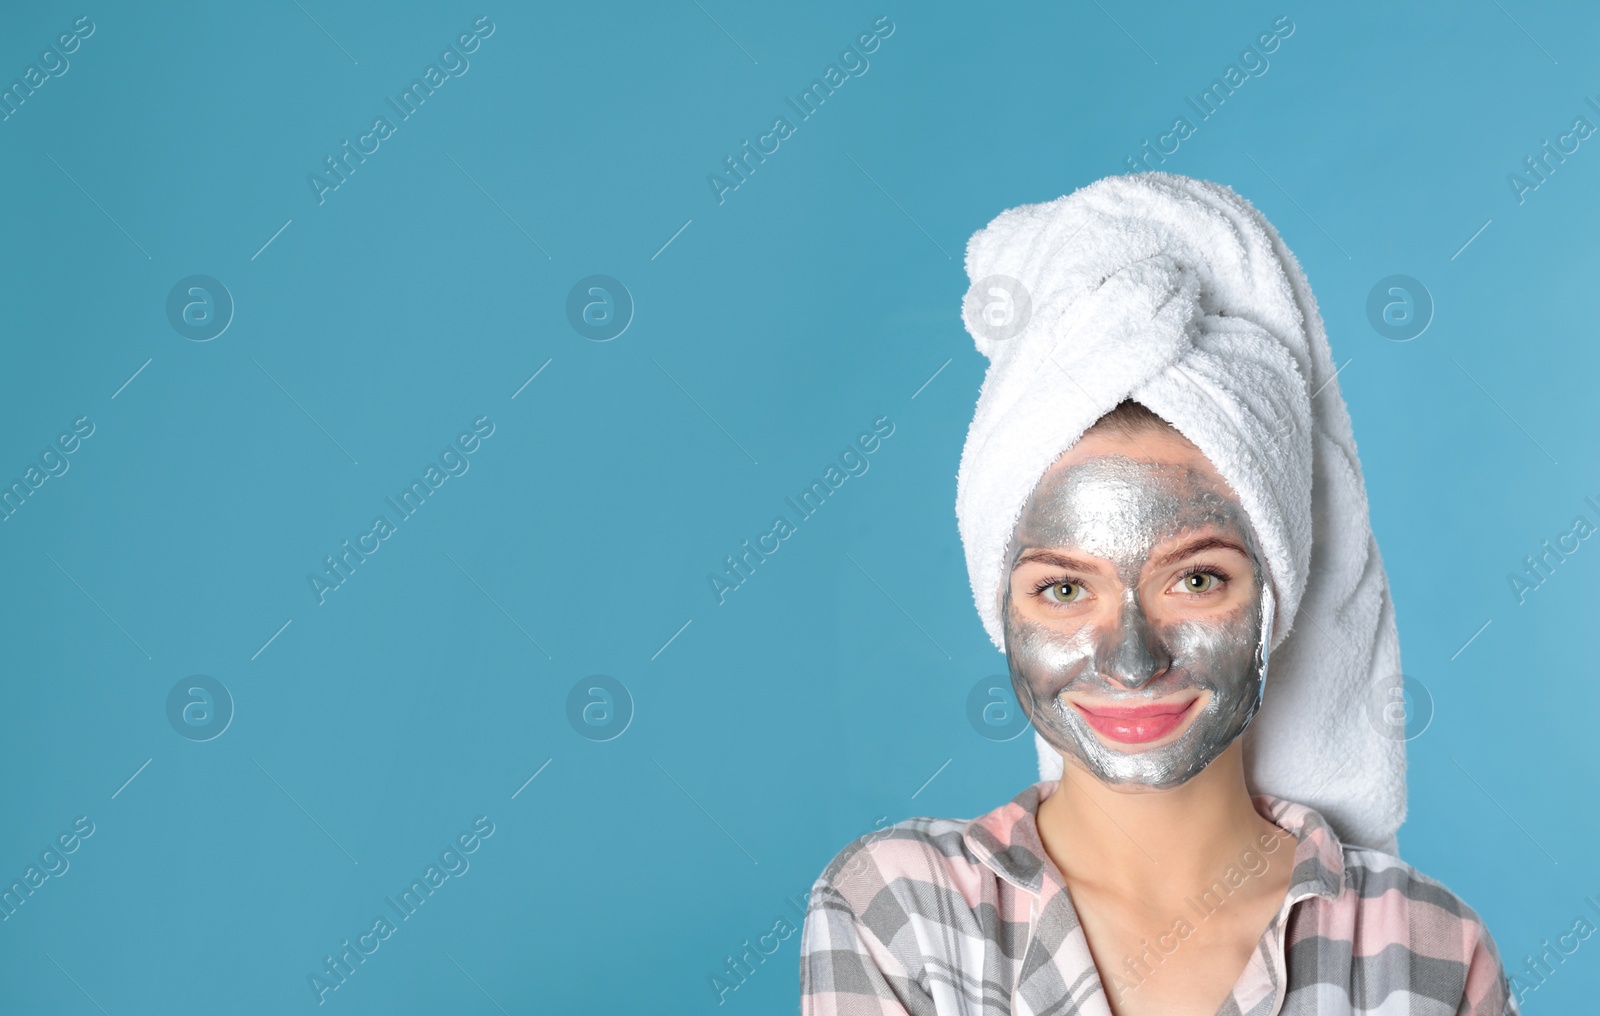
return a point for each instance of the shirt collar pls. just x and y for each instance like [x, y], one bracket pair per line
[1006, 840]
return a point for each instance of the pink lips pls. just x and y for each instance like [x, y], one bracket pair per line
[1136, 724]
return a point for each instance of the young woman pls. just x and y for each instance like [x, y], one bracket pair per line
[1143, 584]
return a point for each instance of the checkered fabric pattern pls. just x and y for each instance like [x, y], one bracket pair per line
[937, 917]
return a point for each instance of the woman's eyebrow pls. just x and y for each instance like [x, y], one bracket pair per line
[1196, 546]
[1059, 560]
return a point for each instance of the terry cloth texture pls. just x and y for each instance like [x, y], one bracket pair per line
[1179, 294]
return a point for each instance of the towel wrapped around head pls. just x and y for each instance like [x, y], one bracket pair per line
[1178, 294]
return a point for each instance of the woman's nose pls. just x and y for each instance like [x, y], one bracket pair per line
[1130, 653]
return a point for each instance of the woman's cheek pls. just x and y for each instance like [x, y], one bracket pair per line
[1217, 652]
[1048, 659]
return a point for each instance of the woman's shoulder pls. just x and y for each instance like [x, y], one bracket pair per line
[981, 860]
[1400, 906]
[1389, 904]
[1384, 926]
[884, 912]
[1377, 878]
[1387, 893]
[897, 857]
[901, 846]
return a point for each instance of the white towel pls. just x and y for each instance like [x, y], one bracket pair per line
[1179, 294]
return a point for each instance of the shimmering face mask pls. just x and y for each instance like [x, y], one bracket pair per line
[1121, 510]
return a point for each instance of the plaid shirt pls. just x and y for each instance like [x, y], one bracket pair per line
[934, 917]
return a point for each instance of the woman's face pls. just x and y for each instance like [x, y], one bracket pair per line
[1134, 615]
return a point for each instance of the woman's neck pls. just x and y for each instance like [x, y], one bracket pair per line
[1145, 844]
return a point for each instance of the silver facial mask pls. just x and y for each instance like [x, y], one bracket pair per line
[1120, 509]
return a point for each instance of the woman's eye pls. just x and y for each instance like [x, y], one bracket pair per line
[1063, 592]
[1199, 582]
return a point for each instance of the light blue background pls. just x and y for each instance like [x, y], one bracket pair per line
[773, 328]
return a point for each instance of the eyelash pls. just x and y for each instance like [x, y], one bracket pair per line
[1203, 569]
[1041, 586]
[1194, 569]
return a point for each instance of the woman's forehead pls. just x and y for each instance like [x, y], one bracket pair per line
[1121, 487]
[1149, 444]
[1125, 509]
